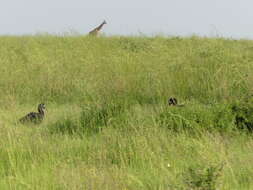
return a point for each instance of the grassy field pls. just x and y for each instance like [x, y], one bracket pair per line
[108, 125]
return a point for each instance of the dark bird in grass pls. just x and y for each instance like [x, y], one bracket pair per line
[173, 102]
[34, 117]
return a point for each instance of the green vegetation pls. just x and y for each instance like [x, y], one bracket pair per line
[108, 125]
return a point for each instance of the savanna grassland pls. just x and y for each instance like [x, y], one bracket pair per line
[108, 124]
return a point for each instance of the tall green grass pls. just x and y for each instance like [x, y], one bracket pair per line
[108, 125]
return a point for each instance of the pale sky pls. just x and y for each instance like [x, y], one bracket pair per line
[226, 18]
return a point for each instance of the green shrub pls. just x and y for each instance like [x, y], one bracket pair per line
[66, 126]
[95, 117]
[194, 118]
[243, 113]
[203, 178]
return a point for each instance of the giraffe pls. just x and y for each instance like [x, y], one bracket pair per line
[96, 30]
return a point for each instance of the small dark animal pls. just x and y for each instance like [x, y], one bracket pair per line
[34, 117]
[173, 102]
